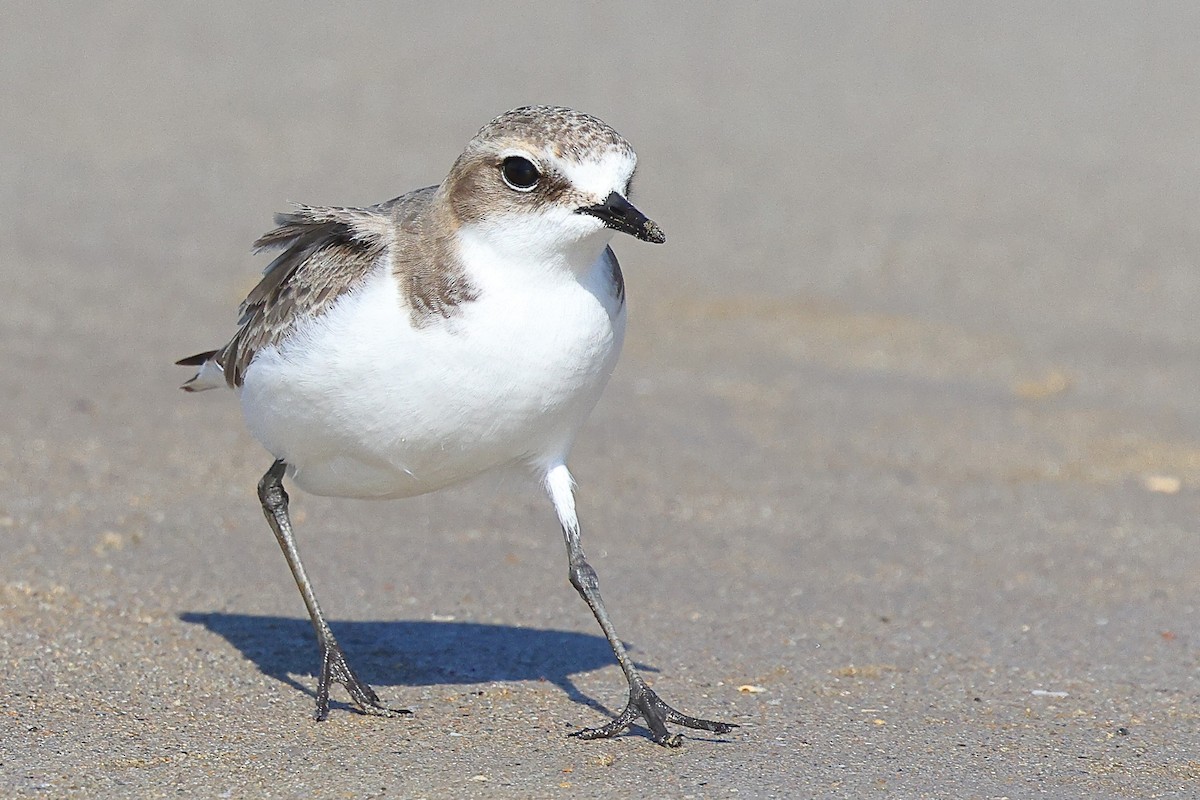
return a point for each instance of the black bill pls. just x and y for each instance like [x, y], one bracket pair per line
[619, 214]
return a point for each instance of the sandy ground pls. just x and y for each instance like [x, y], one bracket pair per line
[900, 470]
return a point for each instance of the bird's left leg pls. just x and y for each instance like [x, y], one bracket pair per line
[643, 702]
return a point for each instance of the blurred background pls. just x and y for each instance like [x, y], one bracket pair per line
[900, 469]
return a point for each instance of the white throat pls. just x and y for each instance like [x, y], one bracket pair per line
[552, 242]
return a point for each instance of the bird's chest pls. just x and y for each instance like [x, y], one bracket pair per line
[537, 349]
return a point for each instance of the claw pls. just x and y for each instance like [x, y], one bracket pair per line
[335, 667]
[645, 704]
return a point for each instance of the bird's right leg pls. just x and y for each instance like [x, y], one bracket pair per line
[334, 666]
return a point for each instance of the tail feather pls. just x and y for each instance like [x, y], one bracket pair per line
[209, 376]
[196, 360]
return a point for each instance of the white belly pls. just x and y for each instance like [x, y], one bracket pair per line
[362, 404]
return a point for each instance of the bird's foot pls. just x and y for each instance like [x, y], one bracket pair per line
[335, 668]
[645, 704]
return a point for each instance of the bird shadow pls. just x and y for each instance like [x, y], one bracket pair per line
[416, 653]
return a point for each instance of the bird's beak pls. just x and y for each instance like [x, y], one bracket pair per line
[619, 214]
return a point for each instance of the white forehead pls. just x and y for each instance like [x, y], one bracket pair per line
[597, 173]
[605, 172]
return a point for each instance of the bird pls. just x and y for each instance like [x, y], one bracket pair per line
[396, 349]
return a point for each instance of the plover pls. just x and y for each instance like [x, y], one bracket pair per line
[400, 348]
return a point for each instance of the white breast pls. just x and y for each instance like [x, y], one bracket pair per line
[363, 404]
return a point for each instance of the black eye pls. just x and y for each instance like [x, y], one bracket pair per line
[519, 173]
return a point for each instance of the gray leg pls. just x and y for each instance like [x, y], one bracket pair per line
[643, 702]
[334, 666]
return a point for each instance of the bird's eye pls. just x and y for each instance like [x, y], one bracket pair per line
[519, 173]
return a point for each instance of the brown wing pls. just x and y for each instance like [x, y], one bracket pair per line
[326, 251]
